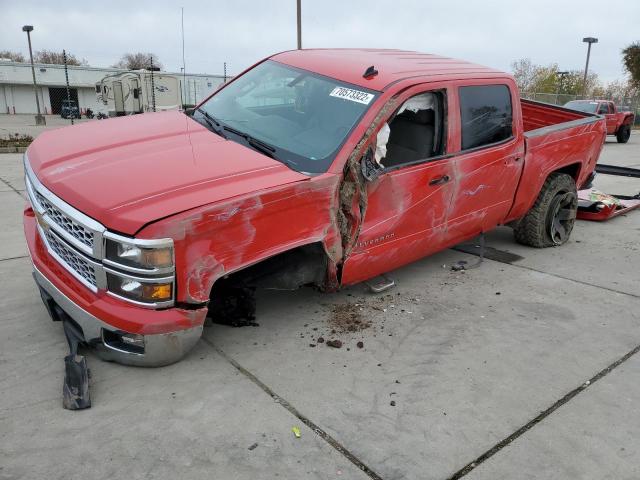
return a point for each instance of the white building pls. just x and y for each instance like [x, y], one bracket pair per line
[17, 96]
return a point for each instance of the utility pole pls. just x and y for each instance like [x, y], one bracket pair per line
[588, 40]
[66, 76]
[153, 85]
[184, 68]
[39, 117]
[299, 14]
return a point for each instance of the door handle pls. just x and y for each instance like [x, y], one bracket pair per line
[439, 180]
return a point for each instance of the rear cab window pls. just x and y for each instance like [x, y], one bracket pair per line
[486, 115]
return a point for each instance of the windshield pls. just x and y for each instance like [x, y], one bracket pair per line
[303, 116]
[587, 107]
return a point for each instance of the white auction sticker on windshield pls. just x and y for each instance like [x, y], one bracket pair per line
[353, 95]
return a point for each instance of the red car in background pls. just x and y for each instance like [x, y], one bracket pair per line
[618, 122]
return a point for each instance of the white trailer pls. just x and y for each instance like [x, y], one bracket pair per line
[138, 92]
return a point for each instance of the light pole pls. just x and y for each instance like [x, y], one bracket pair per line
[588, 40]
[39, 118]
[299, 18]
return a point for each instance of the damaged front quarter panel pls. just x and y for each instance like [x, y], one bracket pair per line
[218, 240]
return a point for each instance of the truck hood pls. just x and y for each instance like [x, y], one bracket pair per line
[127, 172]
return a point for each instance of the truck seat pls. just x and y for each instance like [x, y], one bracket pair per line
[411, 137]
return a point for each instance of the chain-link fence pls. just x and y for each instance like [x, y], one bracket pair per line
[631, 104]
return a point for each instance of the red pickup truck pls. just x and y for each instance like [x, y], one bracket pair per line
[313, 167]
[618, 123]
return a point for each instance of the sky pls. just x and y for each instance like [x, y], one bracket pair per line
[241, 32]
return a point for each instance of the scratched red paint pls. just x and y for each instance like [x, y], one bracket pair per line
[227, 207]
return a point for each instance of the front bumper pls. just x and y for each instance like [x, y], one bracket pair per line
[167, 334]
[159, 349]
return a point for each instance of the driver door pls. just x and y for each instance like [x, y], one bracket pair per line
[406, 216]
[606, 109]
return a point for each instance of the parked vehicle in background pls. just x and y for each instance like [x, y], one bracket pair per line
[130, 93]
[619, 122]
[314, 167]
[69, 109]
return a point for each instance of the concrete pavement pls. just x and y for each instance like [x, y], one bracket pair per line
[467, 358]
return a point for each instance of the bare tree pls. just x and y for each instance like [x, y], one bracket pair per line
[524, 73]
[13, 56]
[621, 90]
[57, 58]
[138, 61]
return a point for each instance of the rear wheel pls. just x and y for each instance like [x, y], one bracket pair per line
[551, 219]
[624, 132]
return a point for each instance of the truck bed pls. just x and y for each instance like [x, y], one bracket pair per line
[538, 115]
[556, 139]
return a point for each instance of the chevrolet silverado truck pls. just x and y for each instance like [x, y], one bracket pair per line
[619, 123]
[312, 167]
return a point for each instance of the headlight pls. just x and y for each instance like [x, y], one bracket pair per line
[142, 256]
[140, 271]
[154, 291]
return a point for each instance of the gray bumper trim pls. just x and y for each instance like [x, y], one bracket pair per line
[160, 349]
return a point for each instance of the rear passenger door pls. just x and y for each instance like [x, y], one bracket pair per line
[407, 204]
[489, 158]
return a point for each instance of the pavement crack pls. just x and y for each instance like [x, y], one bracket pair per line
[296, 413]
[13, 258]
[8, 184]
[525, 428]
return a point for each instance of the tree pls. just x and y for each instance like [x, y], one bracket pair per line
[138, 61]
[56, 58]
[631, 61]
[524, 72]
[13, 56]
[533, 78]
[621, 91]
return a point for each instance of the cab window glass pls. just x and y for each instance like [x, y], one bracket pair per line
[487, 115]
[416, 130]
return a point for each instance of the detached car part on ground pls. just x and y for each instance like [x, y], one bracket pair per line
[313, 167]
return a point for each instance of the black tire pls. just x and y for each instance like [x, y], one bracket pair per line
[551, 219]
[624, 132]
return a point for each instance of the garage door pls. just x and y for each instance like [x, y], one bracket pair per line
[57, 94]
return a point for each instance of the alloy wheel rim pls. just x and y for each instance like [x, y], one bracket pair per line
[563, 213]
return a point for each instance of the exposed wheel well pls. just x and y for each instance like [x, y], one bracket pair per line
[232, 299]
[573, 170]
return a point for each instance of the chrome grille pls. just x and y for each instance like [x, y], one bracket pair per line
[71, 258]
[64, 222]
